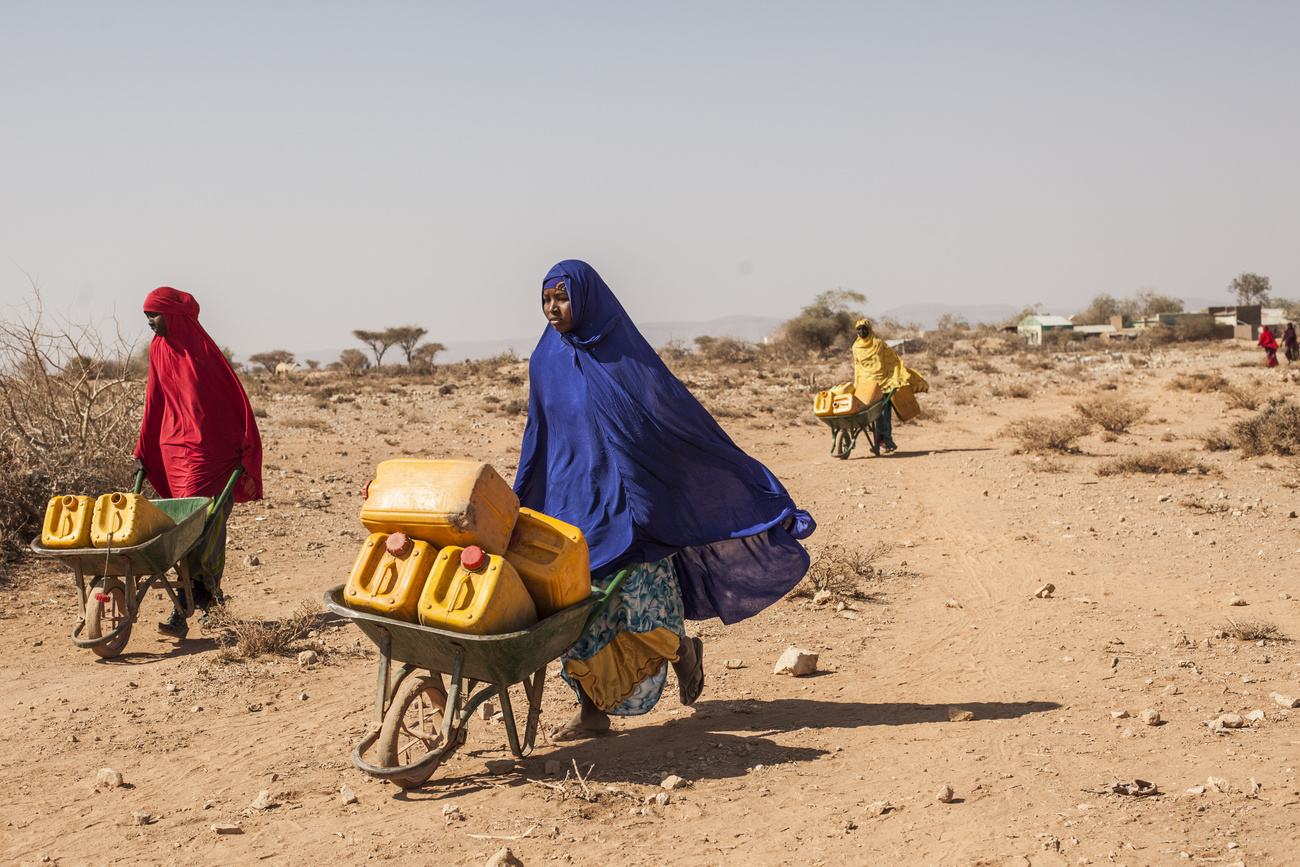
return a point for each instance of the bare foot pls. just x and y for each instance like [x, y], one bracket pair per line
[582, 725]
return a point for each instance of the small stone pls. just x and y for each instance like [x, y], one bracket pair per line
[308, 657]
[196, 709]
[486, 710]
[956, 714]
[1172, 689]
[1256, 716]
[347, 796]
[672, 781]
[109, 778]
[1236, 600]
[1127, 733]
[848, 615]
[262, 801]
[139, 818]
[796, 662]
[1196, 790]
[1285, 700]
[227, 829]
[733, 664]
[1045, 592]
[821, 597]
[952, 603]
[171, 687]
[504, 858]
[251, 560]
[1253, 787]
[498, 767]
[1150, 717]
[553, 768]
[1232, 721]
[451, 813]
[1119, 714]
[945, 795]
[1218, 784]
[878, 808]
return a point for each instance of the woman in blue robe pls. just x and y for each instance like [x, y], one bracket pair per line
[618, 447]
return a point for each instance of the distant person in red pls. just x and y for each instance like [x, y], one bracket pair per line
[1290, 344]
[198, 427]
[1269, 343]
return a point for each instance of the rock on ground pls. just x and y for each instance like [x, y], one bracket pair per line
[796, 662]
[504, 858]
[109, 778]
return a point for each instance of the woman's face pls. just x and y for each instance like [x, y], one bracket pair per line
[158, 322]
[864, 331]
[555, 305]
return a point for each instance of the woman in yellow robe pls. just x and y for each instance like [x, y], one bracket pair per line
[874, 363]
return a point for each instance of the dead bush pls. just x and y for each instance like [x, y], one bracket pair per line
[1241, 396]
[1041, 434]
[1275, 430]
[514, 407]
[1198, 382]
[241, 638]
[1253, 630]
[1048, 464]
[1113, 413]
[71, 398]
[1216, 441]
[1152, 463]
[842, 572]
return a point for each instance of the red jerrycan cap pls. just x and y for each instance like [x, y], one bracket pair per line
[398, 544]
[516, 535]
[365, 490]
[472, 557]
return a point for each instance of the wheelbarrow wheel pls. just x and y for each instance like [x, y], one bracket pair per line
[413, 726]
[105, 611]
[842, 447]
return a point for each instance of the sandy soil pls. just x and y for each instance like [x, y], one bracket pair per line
[781, 770]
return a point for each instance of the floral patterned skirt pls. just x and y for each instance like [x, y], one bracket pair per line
[622, 661]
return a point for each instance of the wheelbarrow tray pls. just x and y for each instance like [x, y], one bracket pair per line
[152, 557]
[858, 419]
[501, 659]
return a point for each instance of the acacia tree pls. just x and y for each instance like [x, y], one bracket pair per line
[405, 338]
[425, 353]
[269, 360]
[378, 342]
[1250, 289]
[353, 361]
[830, 317]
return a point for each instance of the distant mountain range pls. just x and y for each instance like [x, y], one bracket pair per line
[741, 327]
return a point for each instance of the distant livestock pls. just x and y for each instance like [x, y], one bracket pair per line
[284, 368]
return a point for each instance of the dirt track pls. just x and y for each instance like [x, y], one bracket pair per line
[782, 770]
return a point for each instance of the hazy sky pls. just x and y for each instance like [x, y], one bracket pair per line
[309, 168]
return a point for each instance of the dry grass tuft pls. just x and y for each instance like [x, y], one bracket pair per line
[1198, 382]
[240, 638]
[1152, 463]
[1274, 431]
[842, 572]
[1216, 440]
[1040, 434]
[1113, 413]
[1241, 396]
[1048, 464]
[1254, 630]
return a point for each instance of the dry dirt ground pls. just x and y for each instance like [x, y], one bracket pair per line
[781, 770]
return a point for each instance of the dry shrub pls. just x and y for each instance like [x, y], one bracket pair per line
[1241, 396]
[1198, 382]
[1275, 430]
[842, 572]
[1041, 434]
[1253, 630]
[240, 638]
[930, 412]
[979, 365]
[1109, 436]
[1113, 413]
[1048, 464]
[514, 407]
[316, 424]
[71, 398]
[1152, 463]
[1216, 440]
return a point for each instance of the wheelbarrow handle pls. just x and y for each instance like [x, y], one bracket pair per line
[139, 482]
[220, 501]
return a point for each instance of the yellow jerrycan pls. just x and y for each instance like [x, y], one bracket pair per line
[67, 522]
[905, 404]
[477, 593]
[551, 559]
[442, 501]
[123, 520]
[389, 576]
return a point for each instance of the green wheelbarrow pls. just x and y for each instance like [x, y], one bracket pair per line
[120, 577]
[419, 722]
[846, 429]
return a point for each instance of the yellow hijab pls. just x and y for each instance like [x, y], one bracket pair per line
[874, 361]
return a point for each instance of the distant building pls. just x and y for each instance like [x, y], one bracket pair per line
[1032, 328]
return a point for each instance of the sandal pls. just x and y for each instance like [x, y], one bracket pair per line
[571, 732]
[690, 686]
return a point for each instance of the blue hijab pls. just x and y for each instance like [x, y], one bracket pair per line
[618, 447]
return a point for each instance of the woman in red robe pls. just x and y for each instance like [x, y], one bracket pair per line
[1269, 342]
[198, 427]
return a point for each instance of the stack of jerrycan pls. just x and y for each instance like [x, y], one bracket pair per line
[450, 548]
[67, 522]
[114, 520]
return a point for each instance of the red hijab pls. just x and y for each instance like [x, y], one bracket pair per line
[1267, 340]
[198, 424]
